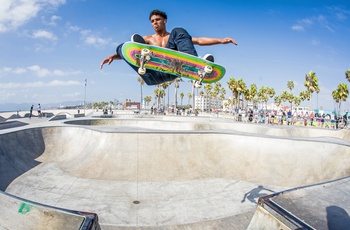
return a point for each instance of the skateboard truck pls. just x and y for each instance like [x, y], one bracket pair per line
[202, 73]
[143, 60]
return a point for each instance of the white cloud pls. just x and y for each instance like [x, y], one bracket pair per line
[39, 71]
[92, 39]
[89, 37]
[96, 41]
[339, 13]
[15, 13]
[298, 28]
[43, 34]
[38, 84]
[6, 94]
[71, 95]
[303, 24]
[72, 27]
[13, 70]
[52, 20]
[321, 21]
[58, 72]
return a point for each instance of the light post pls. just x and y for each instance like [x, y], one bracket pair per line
[193, 98]
[85, 95]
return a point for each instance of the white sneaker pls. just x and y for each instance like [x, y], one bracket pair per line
[209, 57]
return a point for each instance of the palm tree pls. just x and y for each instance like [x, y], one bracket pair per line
[162, 94]
[304, 95]
[271, 92]
[336, 97]
[165, 86]
[262, 94]
[250, 93]
[216, 91]
[111, 105]
[157, 95]
[290, 98]
[214, 95]
[237, 87]
[284, 95]
[189, 96]
[233, 85]
[242, 88]
[230, 102]
[297, 100]
[290, 86]
[253, 91]
[208, 88]
[142, 82]
[222, 93]
[182, 96]
[278, 100]
[193, 96]
[201, 95]
[347, 75]
[341, 93]
[311, 84]
[95, 105]
[176, 85]
[147, 99]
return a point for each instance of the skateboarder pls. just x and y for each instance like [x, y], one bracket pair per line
[179, 39]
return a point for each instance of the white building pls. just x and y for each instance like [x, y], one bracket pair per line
[205, 104]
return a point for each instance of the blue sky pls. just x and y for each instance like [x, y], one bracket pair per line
[49, 47]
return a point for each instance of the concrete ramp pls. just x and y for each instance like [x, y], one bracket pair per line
[321, 206]
[168, 156]
[164, 174]
[2, 119]
[17, 213]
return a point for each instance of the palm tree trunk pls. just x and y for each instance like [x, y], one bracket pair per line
[141, 97]
[168, 98]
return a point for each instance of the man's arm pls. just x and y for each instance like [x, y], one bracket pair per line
[108, 60]
[212, 41]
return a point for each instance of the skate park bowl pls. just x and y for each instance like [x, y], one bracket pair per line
[167, 172]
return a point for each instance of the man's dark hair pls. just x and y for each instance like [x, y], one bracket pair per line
[158, 12]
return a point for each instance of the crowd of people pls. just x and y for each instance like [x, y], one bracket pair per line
[288, 117]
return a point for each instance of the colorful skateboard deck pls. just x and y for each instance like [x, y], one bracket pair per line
[172, 62]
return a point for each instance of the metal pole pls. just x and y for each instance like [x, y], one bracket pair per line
[85, 96]
[193, 98]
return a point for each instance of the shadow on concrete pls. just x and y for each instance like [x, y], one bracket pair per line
[337, 218]
[18, 151]
[255, 194]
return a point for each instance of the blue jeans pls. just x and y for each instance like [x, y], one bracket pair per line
[179, 39]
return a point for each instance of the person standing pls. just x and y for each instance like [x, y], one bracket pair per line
[289, 119]
[345, 119]
[31, 111]
[39, 110]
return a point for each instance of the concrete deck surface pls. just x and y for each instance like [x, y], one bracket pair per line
[166, 172]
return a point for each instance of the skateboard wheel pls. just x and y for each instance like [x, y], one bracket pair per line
[141, 71]
[208, 69]
[197, 84]
[145, 52]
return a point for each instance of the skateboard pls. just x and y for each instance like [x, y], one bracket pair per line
[172, 62]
